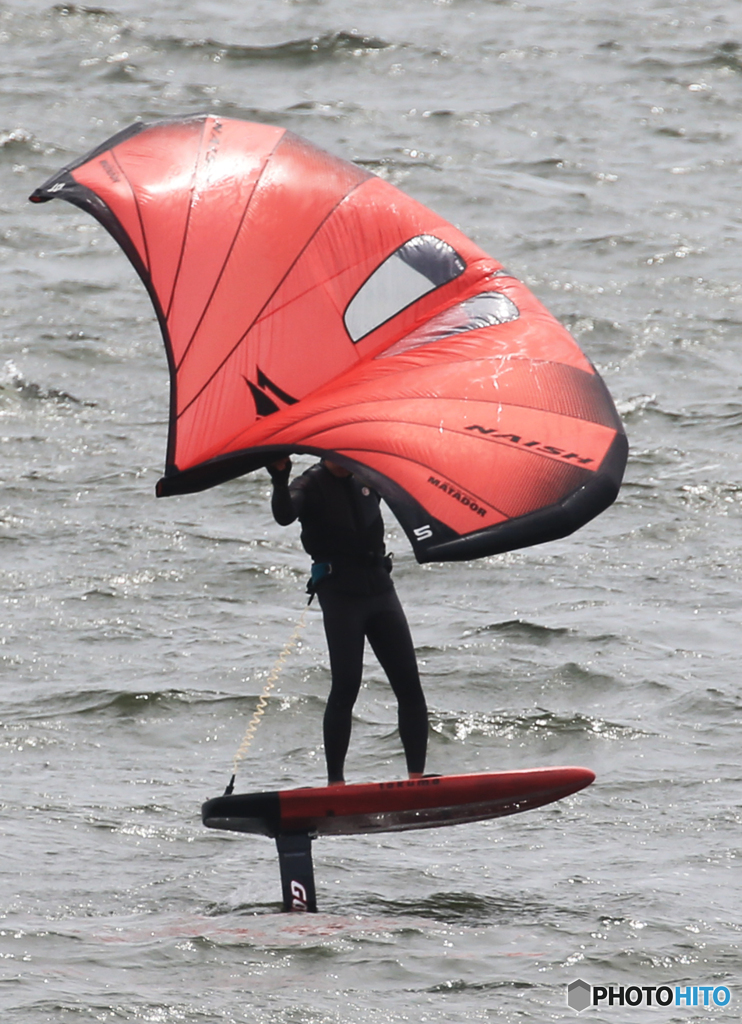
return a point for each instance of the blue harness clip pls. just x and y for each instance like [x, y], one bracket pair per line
[319, 571]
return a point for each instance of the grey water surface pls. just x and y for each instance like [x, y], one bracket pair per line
[594, 148]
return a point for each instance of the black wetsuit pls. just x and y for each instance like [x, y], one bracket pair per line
[343, 531]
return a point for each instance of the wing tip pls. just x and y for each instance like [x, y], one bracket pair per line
[544, 525]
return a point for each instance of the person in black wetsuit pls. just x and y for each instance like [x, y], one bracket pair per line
[343, 531]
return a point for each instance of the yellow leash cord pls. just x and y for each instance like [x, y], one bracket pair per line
[263, 699]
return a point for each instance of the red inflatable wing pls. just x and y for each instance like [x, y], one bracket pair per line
[308, 306]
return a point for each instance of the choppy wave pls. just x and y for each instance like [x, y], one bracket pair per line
[725, 56]
[470, 909]
[636, 406]
[114, 703]
[312, 48]
[15, 142]
[464, 907]
[12, 382]
[81, 10]
[138, 703]
[520, 630]
[506, 725]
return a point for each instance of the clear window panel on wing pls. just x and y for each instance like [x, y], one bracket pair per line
[416, 268]
[485, 310]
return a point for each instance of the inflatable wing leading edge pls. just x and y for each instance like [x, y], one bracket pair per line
[308, 306]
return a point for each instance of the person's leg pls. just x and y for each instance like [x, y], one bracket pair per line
[345, 640]
[389, 635]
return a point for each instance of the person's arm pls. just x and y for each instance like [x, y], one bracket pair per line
[284, 509]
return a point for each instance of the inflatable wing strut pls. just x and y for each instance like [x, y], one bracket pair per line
[308, 306]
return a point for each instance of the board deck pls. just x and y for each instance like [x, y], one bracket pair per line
[396, 806]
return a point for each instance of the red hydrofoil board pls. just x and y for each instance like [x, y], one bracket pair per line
[393, 806]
